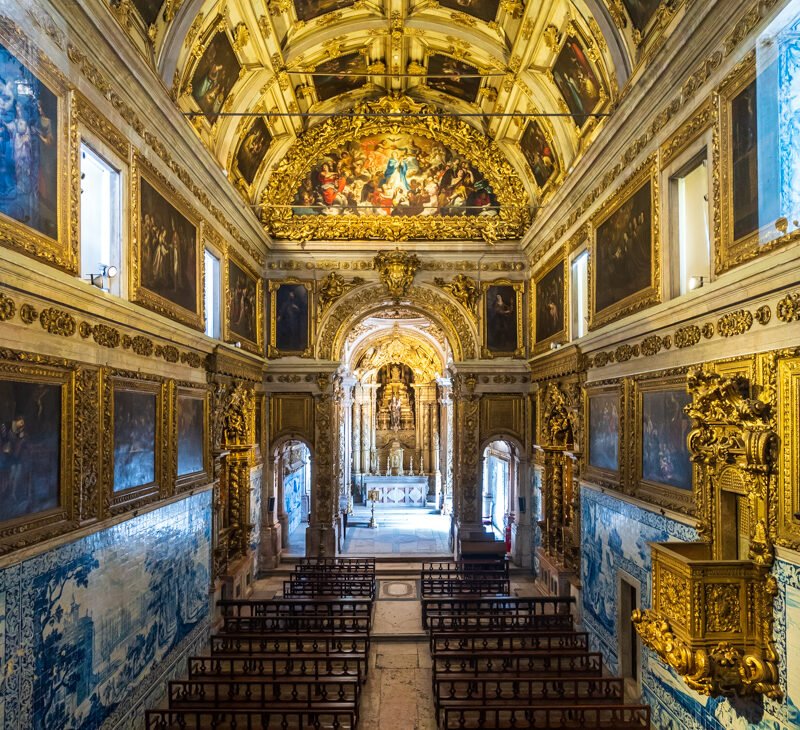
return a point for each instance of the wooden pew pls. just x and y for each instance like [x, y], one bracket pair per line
[342, 606]
[465, 665]
[296, 624]
[511, 642]
[290, 644]
[240, 719]
[274, 666]
[337, 565]
[483, 610]
[618, 717]
[472, 583]
[328, 584]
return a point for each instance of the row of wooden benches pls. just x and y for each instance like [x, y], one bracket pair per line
[502, 661]
[281, 664]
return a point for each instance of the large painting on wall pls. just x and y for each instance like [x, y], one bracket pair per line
[342, 74]
[604, 431]
[29, 134]
[243, 306]
[576, 80]
[624, 257]
[135, 414]
[395, 175]
[502, 318]
[665, 426]
[191, 434]
[167, 261]
[485, 10]
[251, 151]
[30, 447]
[215, 76]
[539, 153]
[550, 312]
[641, 12]
[744, 161]
[454, 77]
[290, 318]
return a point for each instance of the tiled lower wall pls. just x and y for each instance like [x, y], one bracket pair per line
[614, 541]
[89, 630]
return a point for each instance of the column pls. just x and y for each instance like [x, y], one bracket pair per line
[321, 532]
[283, 518]
[521, 533]
[446, 444]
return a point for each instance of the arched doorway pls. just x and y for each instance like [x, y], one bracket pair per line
[292, 487]
[499, 485]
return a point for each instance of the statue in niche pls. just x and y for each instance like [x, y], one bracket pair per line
[395, 413]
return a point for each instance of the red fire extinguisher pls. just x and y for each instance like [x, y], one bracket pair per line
[509, 521]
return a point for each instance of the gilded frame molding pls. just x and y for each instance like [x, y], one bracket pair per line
[247, 189]
[185, 482]
[34, 371]
[546, 191]
[272, 350]
[257, 346]
[664, 495]
[510, 223]
[647, 173]
[519, 288]
[788, 507]
[260, 426]
[125, 500]
[63, 250]
[560, 258]
[595, 474]
[138, 293]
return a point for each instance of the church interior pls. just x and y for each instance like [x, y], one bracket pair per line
[495, 300]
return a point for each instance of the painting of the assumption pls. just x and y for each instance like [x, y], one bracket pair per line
[310, 9]
[291, 318]
[148, 9]
[169, 250]
[243, 302]
[538, 153]
[394, 175]
[30, 448]
[550, 303]
[641, 11]
[623, 251]
[500, 311]
[576, 80]
[190, 435]
[665, 426]
[482, 9]
[454, 77]
[215, 76]
[340, 75]
[134, 439]
[252, 150]
[28, 148]
[604, 431]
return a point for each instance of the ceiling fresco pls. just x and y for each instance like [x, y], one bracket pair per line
[533, 80]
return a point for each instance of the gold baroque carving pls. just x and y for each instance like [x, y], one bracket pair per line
[464, 289]
[687, 336]
[722, 607]
[7, 308]
[334, 286]
[57, 322]
[28, 313]
[396, 270]
[788, 308]
[280, 222]
[735, 323]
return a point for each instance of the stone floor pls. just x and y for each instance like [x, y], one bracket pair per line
[401, 532]
[397, 693]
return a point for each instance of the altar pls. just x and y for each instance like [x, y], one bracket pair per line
[407, 490]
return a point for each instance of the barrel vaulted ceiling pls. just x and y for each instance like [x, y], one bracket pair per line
[256, 77]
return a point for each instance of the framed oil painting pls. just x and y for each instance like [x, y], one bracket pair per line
[576, 80]
[748, 160]
[453, 77]
[34, 155]
[550, 304]
[243, 306]
[342, 74]
[603, 407]
[485, 10]
[309, 9]
[215, 76]
[133, 421]
[502, 319]
[35, 446]
[624, 263]
[539, 154]
[191, 436]
[252, 150]
[663, 467]
[167, 265]
[290, 318]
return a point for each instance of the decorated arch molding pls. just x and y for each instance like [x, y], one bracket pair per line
[435, 305]
[498, 209]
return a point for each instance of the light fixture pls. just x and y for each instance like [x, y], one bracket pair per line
[103, 280]
[695, 282]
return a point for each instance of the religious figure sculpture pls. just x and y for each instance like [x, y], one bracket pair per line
[394, 414]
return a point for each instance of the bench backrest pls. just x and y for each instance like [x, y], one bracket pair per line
[473, 665]
[269, 719]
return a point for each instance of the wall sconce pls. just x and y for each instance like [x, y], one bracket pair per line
[695, 282]
[521, 504]
[103, 280]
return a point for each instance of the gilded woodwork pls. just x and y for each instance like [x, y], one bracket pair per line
[559, 259]
[782, 373]
[189, 390]
[519, 289]
[596, 474]
[291, 414]
[502, 415]
[371, 118]
[396, 270]
[333, 287]
[255, 346]
[273, 286]
[718, 635]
